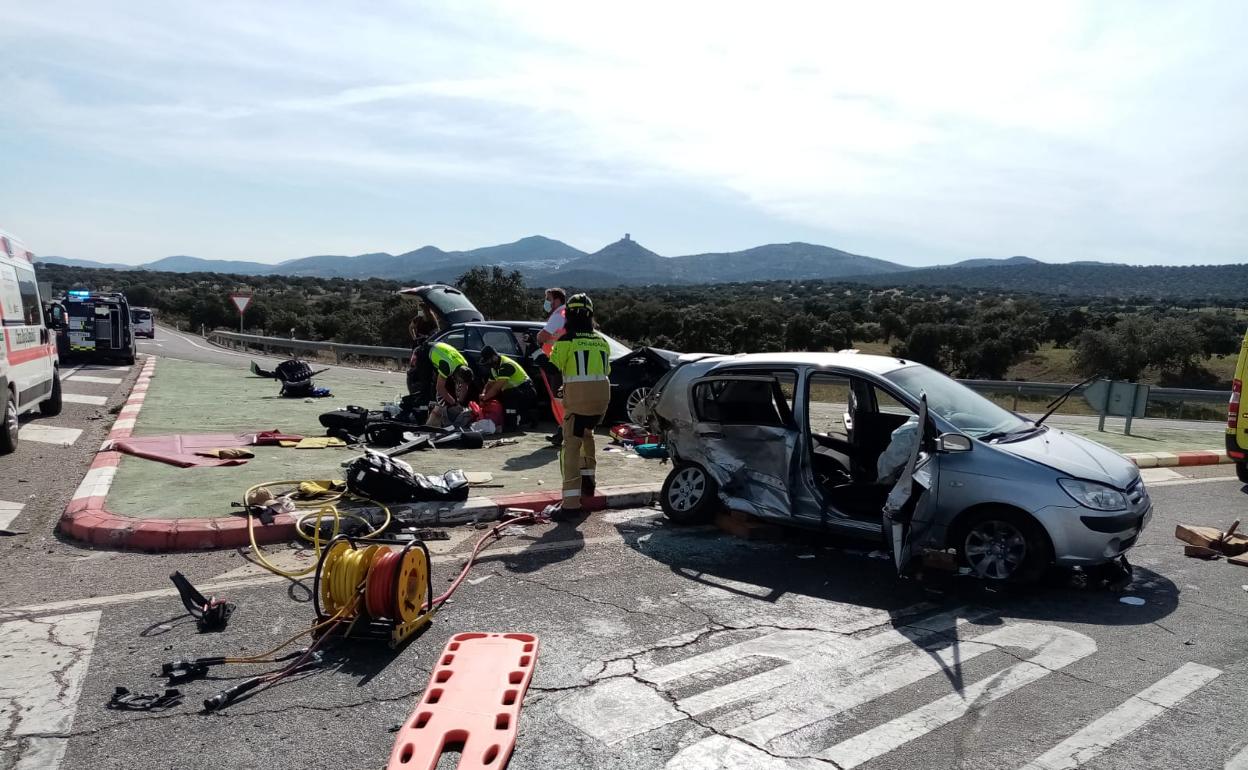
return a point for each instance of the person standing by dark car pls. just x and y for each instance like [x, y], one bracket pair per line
[550, 333]
[583, 357]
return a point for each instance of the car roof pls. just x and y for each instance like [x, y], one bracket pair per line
[859, 361]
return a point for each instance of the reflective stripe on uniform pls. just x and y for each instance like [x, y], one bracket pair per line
[586, 378]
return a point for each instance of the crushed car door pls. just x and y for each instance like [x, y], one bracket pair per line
[748, 441]
[908, 509]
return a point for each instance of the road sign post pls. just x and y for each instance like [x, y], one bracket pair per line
[240, 300]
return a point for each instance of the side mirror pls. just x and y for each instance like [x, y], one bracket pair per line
[56, 316]
[953, 442]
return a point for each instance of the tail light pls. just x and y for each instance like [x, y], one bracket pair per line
[1232, 410]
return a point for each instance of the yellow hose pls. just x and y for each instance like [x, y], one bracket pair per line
[323, 508]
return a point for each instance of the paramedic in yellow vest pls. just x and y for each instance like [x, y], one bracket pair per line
[582, 356]
[448, 363]
[508, 382]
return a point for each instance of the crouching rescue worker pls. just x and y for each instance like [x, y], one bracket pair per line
[448, 363]
[508, 383]
[582, 356]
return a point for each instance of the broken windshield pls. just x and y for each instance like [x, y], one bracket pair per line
[968, 411]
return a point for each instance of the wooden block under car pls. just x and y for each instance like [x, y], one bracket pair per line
[1240, 560]
[747, 527]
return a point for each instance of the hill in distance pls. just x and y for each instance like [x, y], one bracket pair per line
[546, 261]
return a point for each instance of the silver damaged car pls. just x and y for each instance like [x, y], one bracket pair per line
[874, 446]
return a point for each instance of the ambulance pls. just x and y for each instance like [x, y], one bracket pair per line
[29, 367]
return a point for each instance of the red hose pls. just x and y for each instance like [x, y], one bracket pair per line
[528, 518]
[380, 599]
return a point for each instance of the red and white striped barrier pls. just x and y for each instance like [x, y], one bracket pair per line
[1179, 459]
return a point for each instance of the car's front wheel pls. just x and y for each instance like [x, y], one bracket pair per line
[52, 406]
[1003, 544]
[689, 495]
[8, 431]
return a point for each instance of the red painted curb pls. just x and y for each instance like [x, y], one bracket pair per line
[87, 520]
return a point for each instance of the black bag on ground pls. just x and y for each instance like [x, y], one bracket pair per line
[352, 420]
[377, 477]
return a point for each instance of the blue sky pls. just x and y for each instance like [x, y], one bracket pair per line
[917, 132]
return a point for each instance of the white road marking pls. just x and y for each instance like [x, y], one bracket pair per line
[48, 434]
[9, 512]
[41, 677]
[1181, 482]
[97, 380]
[96, 482]
[1154, 475]
[808, 690]
[1088, 743]
[76, 398]
[221, 586]
[1239, 761]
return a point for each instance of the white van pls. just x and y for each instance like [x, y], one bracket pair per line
[143, 321]
[29, 367]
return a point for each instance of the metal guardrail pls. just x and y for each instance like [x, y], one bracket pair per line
[336, 350]
[1017, 389]
[1054, 389]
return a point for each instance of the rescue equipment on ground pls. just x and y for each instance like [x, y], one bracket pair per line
[296, 378]
[630, 434]
[124, 700]
[473, 699]
[211, 614]
[389, 480]
[364, 587]
[378, 591]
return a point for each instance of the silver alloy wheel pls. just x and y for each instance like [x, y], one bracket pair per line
[633, 405]
[995, 549]
[687, 489]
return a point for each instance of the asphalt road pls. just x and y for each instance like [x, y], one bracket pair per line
[666, 647]
[188, 347]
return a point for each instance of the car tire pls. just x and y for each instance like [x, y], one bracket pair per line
[1241, 470]
[8, 431]
[634, 402]
[51, 407]
[1003, 544]
[689, 495]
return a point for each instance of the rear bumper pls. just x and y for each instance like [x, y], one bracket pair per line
[1234, 450]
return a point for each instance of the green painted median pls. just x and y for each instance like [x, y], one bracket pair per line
[187, 397]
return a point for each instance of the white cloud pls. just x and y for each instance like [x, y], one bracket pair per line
[1063, 130]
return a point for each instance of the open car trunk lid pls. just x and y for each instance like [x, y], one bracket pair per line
[449, 304]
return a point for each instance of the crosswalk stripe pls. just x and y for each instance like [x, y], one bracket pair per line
[9, 512]
[1055, 648]
[41, 678]
[96, 380]
[1137, 711]
[48, 434]
[76, 398]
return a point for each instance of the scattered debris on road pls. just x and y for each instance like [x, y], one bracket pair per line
[1210, 543]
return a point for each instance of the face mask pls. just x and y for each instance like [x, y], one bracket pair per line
[547, 306]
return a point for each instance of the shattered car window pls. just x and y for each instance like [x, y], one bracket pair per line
[737, 402]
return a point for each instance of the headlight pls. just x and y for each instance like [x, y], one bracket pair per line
[1098, 497]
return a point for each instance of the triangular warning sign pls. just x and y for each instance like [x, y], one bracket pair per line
[241, 301]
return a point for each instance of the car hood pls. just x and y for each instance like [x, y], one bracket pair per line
[660, 356]
[1075, 456]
